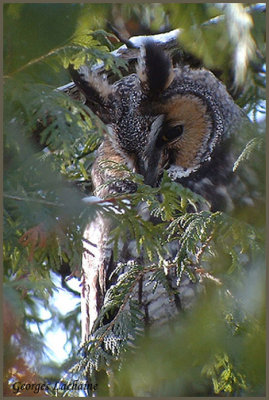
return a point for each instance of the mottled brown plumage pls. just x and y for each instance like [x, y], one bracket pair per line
[162, 117]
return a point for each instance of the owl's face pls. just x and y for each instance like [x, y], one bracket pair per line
[162, 117]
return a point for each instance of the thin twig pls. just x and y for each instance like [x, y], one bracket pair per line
[48, 203]
[127, 42]
[212, 278]
[203, 247]
[41, 58]
[89, 242]
[88, 251]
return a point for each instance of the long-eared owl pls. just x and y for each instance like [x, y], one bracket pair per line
[160, 118]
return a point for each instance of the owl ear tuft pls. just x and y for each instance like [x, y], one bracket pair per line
[95, 88]
[155, 69]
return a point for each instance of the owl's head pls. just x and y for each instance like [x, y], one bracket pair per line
[162, 117]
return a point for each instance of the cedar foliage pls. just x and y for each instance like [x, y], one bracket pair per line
[49, 144]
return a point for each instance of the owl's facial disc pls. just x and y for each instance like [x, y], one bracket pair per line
[188, 150]
[184, 140]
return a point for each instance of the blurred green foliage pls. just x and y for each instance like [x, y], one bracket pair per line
[49, 143]
[218, 348]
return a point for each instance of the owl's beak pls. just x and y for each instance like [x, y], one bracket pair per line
[152, 167]
[153, 153]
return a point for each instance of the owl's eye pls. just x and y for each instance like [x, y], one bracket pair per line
[169, 134]
[172, 133]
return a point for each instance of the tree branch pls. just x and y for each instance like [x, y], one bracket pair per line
[27, 199]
